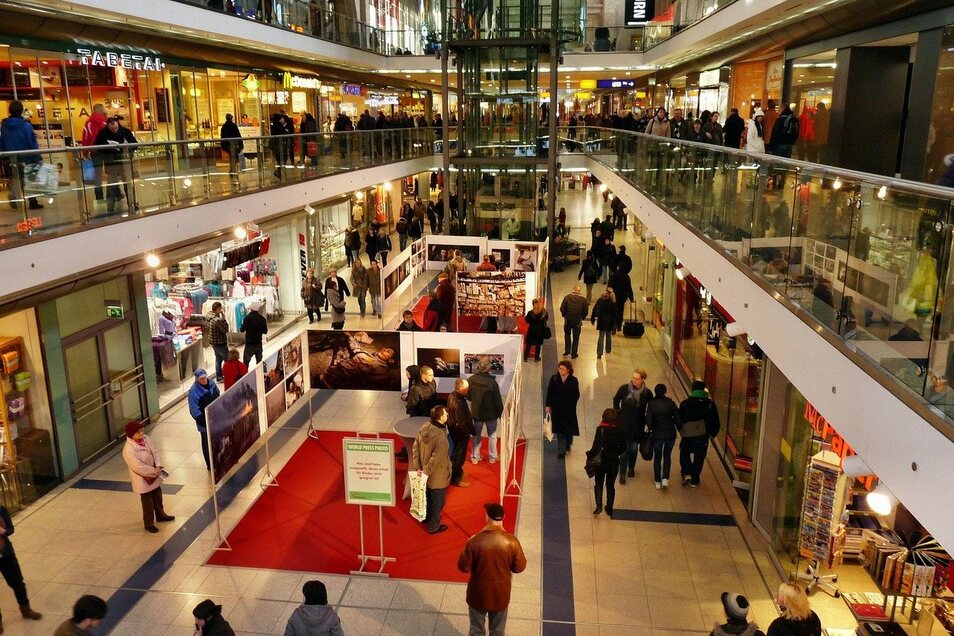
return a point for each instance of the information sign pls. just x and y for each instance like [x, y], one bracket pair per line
[369, 471]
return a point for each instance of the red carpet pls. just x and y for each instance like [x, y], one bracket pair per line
[465, 324]
[303, 524]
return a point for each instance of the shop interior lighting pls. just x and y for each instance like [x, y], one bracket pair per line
[241, 233]
[359, 195]
[187, 182]
[881, 500]
[310, 210]
[837, 184]
[882, 192]
[387, 186]
[602, 188]
[152, 260]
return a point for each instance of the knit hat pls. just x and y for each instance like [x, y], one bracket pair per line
[758, 112]
[132, 428]
[736, 606]
[495, 511]
[200, 373]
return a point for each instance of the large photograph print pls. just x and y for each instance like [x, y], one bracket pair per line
[491, 294]
[438, 252]
[355, 360]
[444, 362]
[233, 423]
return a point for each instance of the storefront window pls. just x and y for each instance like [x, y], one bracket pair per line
[813, 82]
[941, 133]
[326, 237]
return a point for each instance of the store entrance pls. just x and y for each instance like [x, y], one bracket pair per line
[105, 379]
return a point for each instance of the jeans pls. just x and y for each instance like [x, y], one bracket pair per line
[662, 454]
[361, 301]
[403, 239]
[564, 443]
[627, 461]
[10, 569]
[571, 338]
[355, 255]
[491, 438]
[376, 304]
[221, 355]
[692, 456]
[252, 351]
[608, 335]
[435, 503]
[498, 623]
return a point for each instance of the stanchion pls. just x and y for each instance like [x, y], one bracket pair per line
[312, 431]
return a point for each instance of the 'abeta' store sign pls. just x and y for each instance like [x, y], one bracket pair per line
[136, 61]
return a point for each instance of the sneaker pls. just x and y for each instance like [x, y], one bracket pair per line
[686, 479]
[658, 486]
[474, 460]
[493, 460]
[693, 485]
[665, 483]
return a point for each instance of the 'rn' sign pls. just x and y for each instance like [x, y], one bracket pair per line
[639, 11]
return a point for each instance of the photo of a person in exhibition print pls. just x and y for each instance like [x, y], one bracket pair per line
[274, 371]
[294, 388]
[444, 253]
[526, 260]
[291, 354]
[355, 360]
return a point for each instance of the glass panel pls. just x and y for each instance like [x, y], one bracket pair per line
[793, 458]
[89, 416]
[124, 377]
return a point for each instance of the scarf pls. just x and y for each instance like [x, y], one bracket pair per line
[701, 393]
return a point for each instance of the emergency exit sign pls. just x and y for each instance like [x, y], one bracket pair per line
[114, 311]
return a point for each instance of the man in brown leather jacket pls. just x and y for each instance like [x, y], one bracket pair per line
[492, 556]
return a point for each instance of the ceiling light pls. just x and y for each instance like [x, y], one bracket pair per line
[241, 233]
[837, 184]
[359, 195]
[152, 260]
[187, 182]
[310, 210]
[881, 500]
[387, 186]
[882, 192]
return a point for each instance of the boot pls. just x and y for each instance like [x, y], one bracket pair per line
[28, 613]
[598, 494]
[622, 478]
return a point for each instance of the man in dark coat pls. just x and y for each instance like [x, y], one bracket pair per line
[232, 144]
[487, 406]
[447, 296]
[254, 327]
[10, 568]
[698, 421]
[630, 403]
[624, 263]
[623, 288]
[460, 427]
[563, 393]
[732, 130]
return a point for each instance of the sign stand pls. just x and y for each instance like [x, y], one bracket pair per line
[268, 479]
[369, 479]
[222, 543]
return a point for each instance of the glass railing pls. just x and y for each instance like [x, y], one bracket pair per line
[867, 257]
[603, 39]
[68, 189]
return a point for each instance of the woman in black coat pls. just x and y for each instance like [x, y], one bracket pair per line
[536, 322]
[563, 393]
[662, 418]
[608, 441]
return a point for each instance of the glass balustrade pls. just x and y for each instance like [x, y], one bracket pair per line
[100, 184]
[868, 257]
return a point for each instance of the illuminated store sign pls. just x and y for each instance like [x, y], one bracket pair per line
[615, 83]
[827, 433]
[640, 11]
[290, 81]
[351, 89]
[95, 57]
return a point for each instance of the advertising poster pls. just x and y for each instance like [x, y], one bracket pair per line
[369, 471]
[445, 362]
[355, 360]
[233, 424]
[491, 294]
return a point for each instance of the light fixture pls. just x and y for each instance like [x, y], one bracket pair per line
[881, 500]
[241, 233]
[603, 188]
[837, 184]
[733, 329]
[152, 260]
[359, 195]
[882, 192]
[310, 210]
[187, 182]
[387, 186]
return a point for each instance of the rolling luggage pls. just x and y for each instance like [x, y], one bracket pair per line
[633, 328]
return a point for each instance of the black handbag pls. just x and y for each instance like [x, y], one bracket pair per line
[594, 459]
[547, 333]
[646, 447]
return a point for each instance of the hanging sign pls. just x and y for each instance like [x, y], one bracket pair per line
[114, 309]
[96, 57]
[369, 471]
[639, 11]
[615, 83]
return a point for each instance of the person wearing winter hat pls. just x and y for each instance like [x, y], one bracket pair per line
[755, 132]
[698, 421]
[145, 473]
[209, 621]
[314, 617]
[736, 614]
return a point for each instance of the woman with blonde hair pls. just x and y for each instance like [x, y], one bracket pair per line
[797, 617]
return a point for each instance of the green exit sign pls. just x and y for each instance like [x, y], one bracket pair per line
[114, 311]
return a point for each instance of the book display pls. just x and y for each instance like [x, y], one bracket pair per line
[822, 508]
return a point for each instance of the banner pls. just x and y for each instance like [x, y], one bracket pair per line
[639, 12]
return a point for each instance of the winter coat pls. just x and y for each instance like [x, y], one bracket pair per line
[447, 296]
[781, 626]
[431, 454]
[460, 422]
[432, 315]
[16, 133]
[630, 405]
[254, 327]
[232, 372]
[383, 243]
[607, 256]
[732, 130]
[604, 315]
[374, 281]
[485, 401]
[622, 286]
[95, 123]
[535, 325]
[574, 309]
[342, 286]
[421, 398]
[589, 271]
[679, 129]
[217, 626]
[562, 398]
[609, 441]
[311, 293]
[314, 620]
[754, 143]
[736, 629]
[231, 138]
[659, 128]
[624, 263]
[69, 628]
[337, 303]
[698, 417]
[121, 139]
[360, 280]
[511, 229]
[200, 397]
[218, 329]
[143, 463]
[662, 418]
[712, 133]
[492, 556]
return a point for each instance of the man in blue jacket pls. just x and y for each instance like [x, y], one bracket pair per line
[201, 395]
[16, 133]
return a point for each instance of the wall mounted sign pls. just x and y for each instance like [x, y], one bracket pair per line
[138, 61]
[639, 11]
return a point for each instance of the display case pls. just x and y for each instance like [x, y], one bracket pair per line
[17, 431]
[890, 253]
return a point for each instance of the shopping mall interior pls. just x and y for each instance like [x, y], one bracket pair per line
[755, 195]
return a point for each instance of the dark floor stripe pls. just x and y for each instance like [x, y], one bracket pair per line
[557, 580]
[141, 581]
[659, 516]
[119, 486]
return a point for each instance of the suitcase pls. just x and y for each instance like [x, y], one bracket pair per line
[633, 328]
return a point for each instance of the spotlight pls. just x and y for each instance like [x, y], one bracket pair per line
[359, 195]
[603, 187]
[241, 233]
[882, 192]
[387, 186]
[310, 210]
[152, 260]
[881, 500]
[837, 184]
[187, 182]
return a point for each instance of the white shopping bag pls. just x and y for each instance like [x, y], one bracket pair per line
[40, 178]
[418, 495]
[548, 427]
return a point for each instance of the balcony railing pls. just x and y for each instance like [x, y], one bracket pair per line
[868, 258]
[103, 184]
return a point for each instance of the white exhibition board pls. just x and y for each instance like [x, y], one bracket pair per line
[396, 277]
[460, 352]
[369, 475]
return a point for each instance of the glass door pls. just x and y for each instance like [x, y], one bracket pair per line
[125, 378]
[85, 379]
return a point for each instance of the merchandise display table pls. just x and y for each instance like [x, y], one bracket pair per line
[407, 429]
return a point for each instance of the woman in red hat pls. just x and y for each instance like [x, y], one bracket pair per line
[145, 473]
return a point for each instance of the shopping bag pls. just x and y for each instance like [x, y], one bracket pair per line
[548, 427]
[646, 448]
[89, 170]
[40, 178]
[418, 494]
[311, 148]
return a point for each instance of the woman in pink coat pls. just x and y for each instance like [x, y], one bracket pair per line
[145, 473]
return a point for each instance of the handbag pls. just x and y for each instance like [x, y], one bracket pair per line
[311, 148]
[547, 333]
[594, 459]
[646, 447]
[40, 178]
[89, 170]
[548, 427]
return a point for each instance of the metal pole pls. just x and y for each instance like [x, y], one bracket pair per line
[215, 498]
[363, 556]
[445, 125]
[381, 539]
[554, 117]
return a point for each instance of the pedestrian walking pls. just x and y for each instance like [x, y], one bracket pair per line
[563, 394]
[218, 337]
[492, 557]
[88, 611]
[630, 403]
[232, 145]
[590, 273]
[360, 282]
[383, 245]
[431, 456]
[662, 418]
[574, 310]
[201, 394]
[460, 427]
[608, 442]
[10, 569]
[117, 163]
[698, 421]
[311, 295]
[254, 327]
[337, 303]
[374, 288]
[536, 320]
[314, 617]
[486, 405]
[16, 133]
[95, 123]
[604, 317]
[623, 288]
[145, 475]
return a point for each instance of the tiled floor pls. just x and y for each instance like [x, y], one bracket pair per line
[628, 577]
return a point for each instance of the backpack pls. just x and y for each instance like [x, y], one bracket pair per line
[790, 128]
